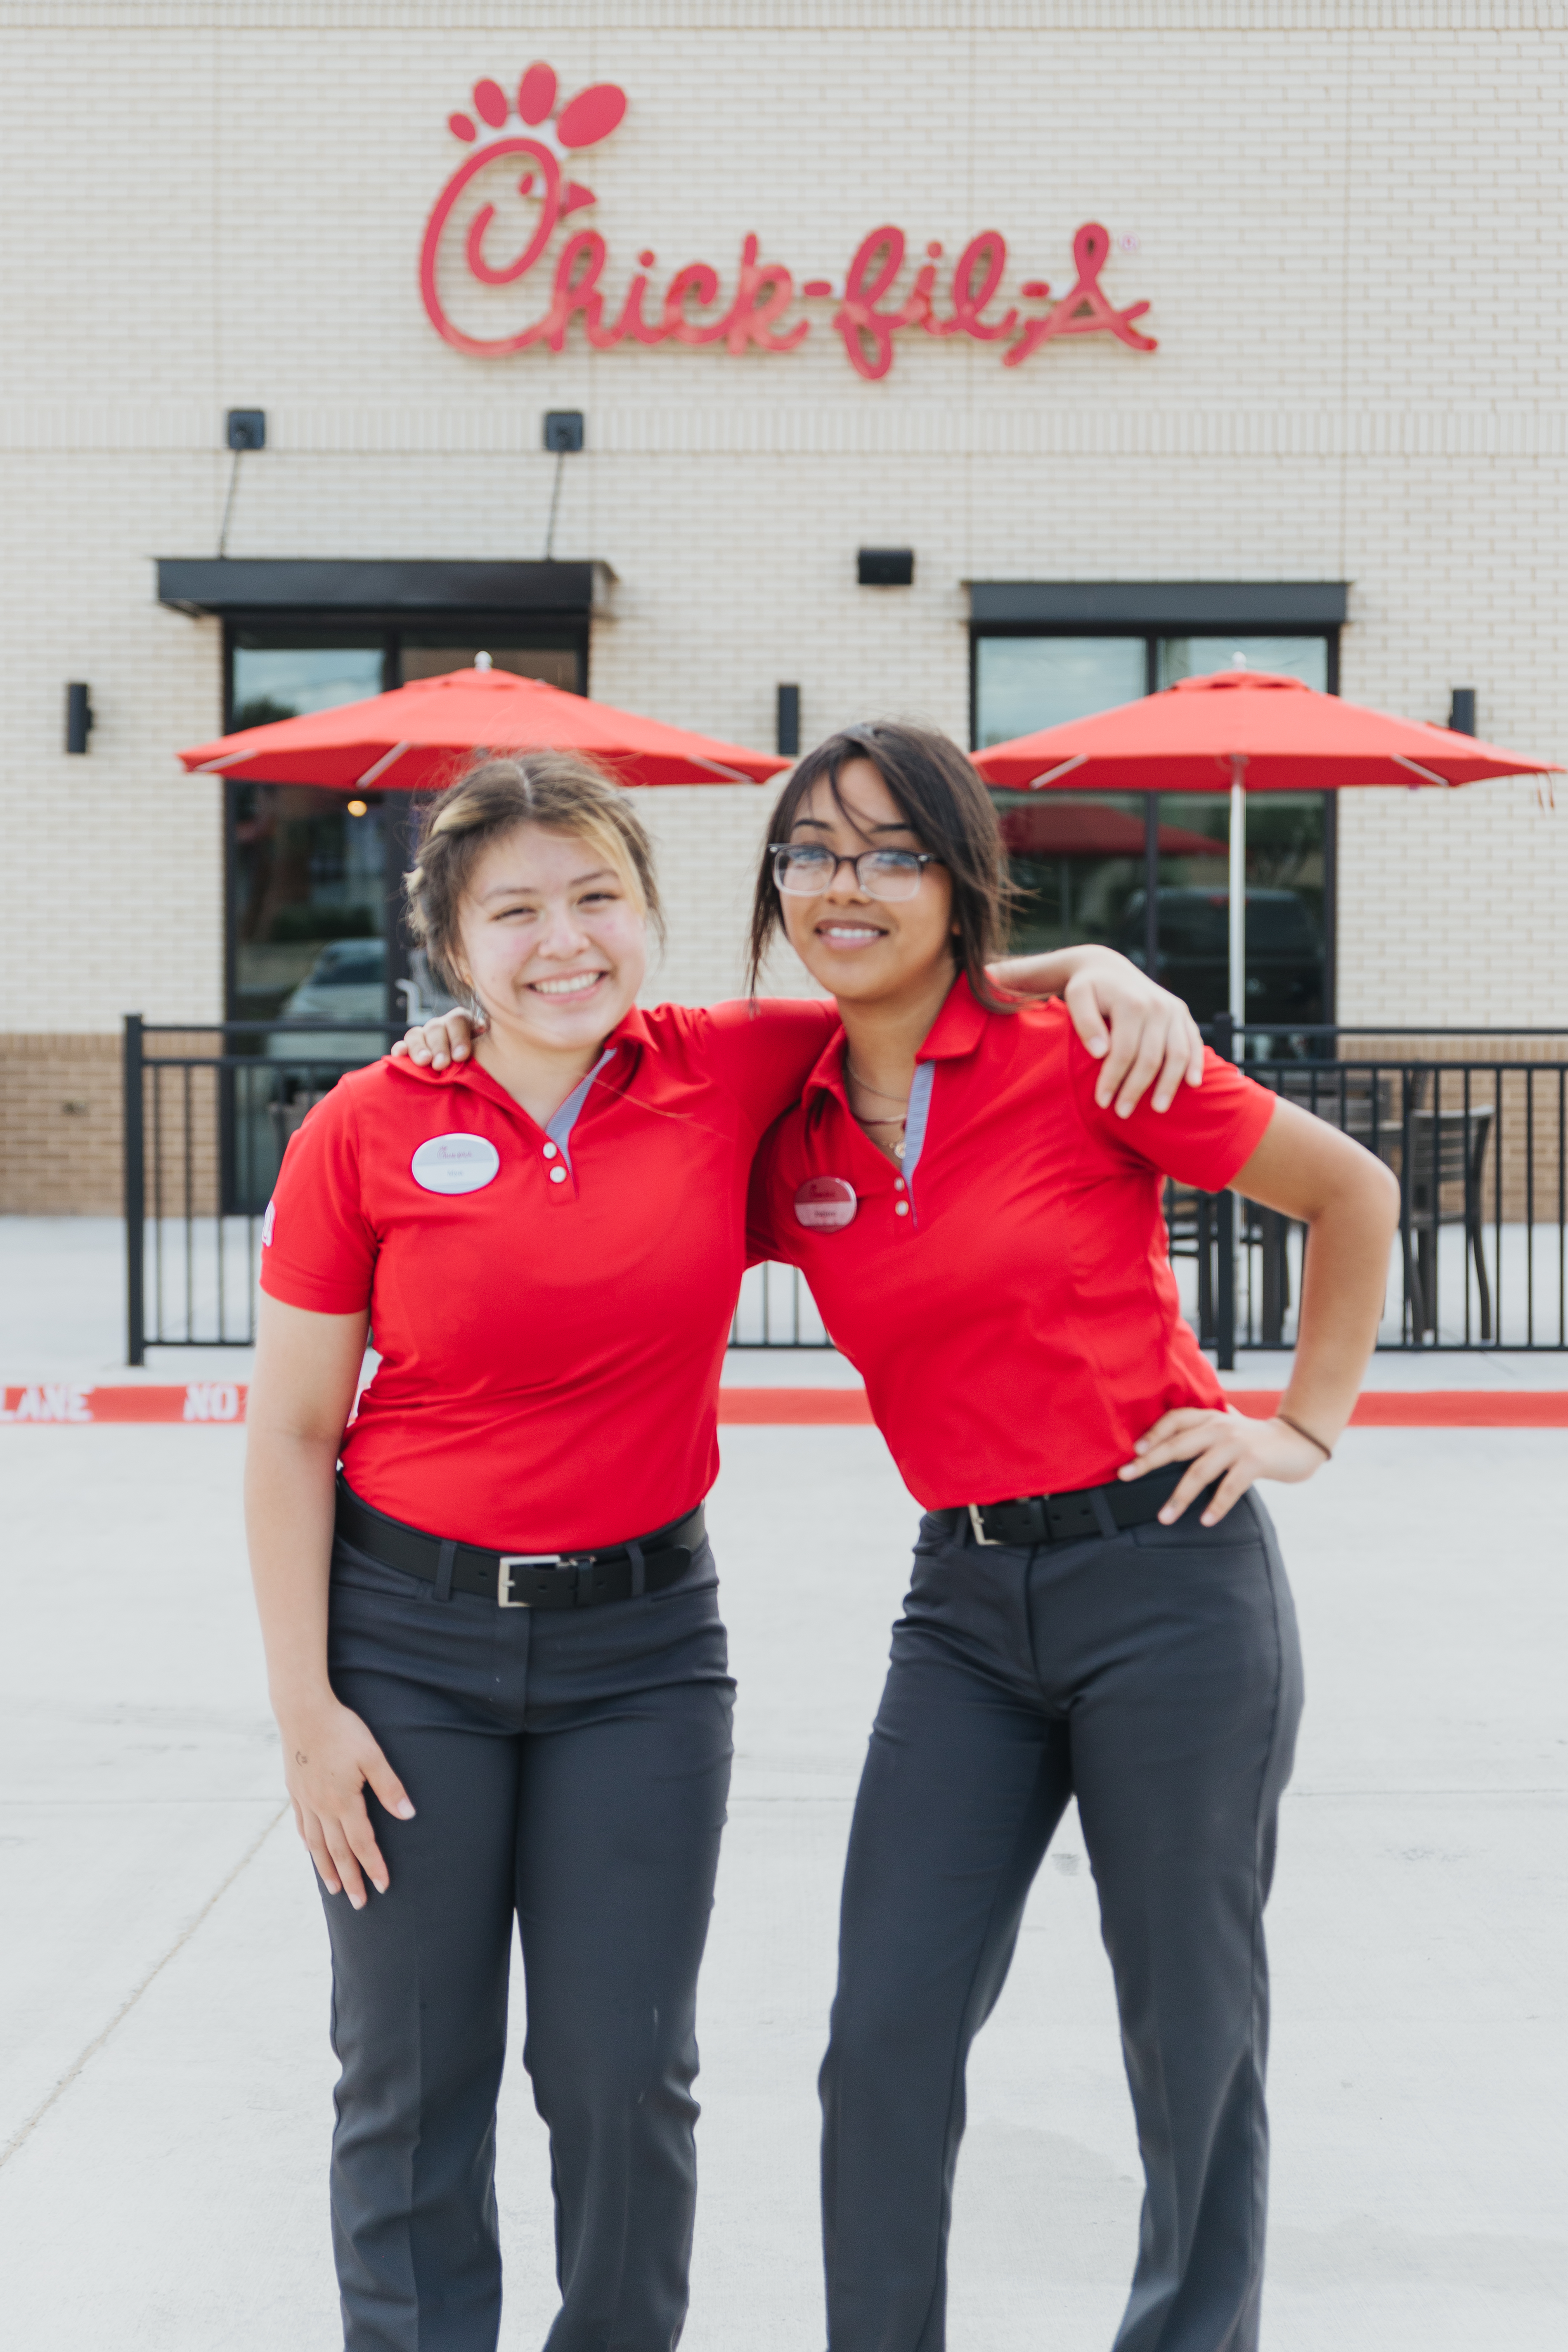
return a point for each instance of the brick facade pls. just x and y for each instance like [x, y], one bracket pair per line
[1346, 225]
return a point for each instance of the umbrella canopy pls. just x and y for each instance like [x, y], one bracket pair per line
[1256, 732]
[417, 737]
[1293, 739]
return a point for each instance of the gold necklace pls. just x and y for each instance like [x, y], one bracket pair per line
[853, 1075]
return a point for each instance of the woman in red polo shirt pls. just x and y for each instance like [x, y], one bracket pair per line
[1098, 1608]
[494, 1643]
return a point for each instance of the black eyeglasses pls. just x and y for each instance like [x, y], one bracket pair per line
[805, 869]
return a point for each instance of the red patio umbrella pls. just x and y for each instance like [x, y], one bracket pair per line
[414, 739]
[1260, 733]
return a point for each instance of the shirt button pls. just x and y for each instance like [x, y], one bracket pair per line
[897, 1183]
[558, 1175]
[550, 1151]
[900, 1208]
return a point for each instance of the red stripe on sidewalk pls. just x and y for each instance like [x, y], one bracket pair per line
[1434, 1408]
[821, 1408]
[221, 1404]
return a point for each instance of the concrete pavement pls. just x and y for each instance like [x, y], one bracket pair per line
[170, 2196]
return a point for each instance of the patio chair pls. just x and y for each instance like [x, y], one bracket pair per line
[1446, 1155]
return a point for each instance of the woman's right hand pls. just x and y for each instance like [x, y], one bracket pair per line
[329, 1758]
[448, 1037]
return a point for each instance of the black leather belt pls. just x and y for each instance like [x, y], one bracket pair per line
[1030, 1519]
[524, 1579]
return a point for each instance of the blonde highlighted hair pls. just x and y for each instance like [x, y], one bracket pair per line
[559, 792]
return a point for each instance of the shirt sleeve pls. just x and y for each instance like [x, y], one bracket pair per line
[318, 1247]
[1203, 1139]
[762, 1050]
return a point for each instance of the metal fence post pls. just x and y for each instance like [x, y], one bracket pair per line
[1225, 1222]
[135, 1196]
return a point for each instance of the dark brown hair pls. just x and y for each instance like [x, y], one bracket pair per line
[948, 810]
[555, 789]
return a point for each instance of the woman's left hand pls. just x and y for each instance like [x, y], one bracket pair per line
[1229, 1448]
[1153, 1037]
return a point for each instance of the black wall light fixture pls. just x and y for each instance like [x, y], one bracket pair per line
[1462, 711]
[564, 434]
[787, 725]
[246, 428]
[78, 719]
[886, 567]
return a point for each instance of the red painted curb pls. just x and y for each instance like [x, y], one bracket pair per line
[222, 1404]
[778, 1408]
[1434, 1408]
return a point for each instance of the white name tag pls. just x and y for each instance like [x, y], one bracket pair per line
[456, 1163]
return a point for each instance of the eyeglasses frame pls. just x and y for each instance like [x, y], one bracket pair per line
[923, 859]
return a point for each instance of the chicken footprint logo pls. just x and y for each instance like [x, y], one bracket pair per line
[548, 137]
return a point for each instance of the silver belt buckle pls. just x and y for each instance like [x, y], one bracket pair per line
[511, 1560]
[981, 1537]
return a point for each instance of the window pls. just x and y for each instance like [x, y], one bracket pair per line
[1148, 873]
[306, 869]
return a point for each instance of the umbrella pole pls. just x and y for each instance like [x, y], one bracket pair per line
[1238, 907]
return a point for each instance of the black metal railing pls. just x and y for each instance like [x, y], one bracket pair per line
[1473, 1124]
[209, 1107]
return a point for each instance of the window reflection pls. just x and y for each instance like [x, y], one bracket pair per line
[1025, 683]
[1077, 862]
[1284, 902]
[307, 873]
[1303, 657]
[556, 665]
[274, 682]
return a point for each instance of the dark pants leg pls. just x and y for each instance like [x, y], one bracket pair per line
[573, 1769]
[1157, 1678]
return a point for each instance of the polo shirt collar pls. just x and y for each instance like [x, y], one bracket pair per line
[957, 1031]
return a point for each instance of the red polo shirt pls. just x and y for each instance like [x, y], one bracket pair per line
[1010, 1302]
[551, 1306]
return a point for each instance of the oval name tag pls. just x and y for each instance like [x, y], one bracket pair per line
[456, 1163]
[826, 1203]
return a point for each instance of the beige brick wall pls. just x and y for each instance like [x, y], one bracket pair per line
[1348, 215]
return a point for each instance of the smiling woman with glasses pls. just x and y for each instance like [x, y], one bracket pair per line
[1097, 1610]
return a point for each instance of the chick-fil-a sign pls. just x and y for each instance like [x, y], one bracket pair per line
[869, 309]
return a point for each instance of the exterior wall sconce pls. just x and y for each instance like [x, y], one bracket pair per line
[886, 567]
[786, 731]
[1462, 711]
[245, 428]
[563, 435]
[78, 719]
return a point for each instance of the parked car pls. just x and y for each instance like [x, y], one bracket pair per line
[1284, 952]
[346, 982]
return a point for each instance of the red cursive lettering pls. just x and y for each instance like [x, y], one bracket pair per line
[868, 332]
[989, 251]
[762, 296]
[696, 279]
[430, 253]
[1085, 310]
[578, 290]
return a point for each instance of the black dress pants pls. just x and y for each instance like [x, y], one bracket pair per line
[570, 1770]
[1157, 1678]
